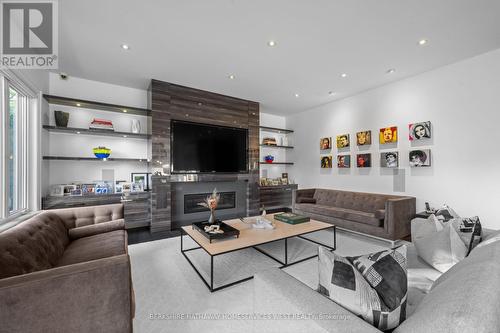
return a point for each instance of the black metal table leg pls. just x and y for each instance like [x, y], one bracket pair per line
[211, 273]
[286, 251]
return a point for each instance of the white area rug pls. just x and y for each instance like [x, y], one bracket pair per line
[168, 288]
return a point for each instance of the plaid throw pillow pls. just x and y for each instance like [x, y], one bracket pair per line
[344, 284]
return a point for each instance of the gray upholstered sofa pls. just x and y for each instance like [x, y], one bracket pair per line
[464, 299]
[380, 215]
[66, 270]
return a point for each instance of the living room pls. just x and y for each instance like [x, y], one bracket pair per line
[278, 166]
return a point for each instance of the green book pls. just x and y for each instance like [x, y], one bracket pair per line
[291, 218]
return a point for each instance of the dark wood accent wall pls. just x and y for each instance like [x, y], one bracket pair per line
[173, 102]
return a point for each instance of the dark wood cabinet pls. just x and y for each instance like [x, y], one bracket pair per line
[275, 198]
[136, 211]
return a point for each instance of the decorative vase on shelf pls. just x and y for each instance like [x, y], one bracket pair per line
[136, 126]
[62, 118]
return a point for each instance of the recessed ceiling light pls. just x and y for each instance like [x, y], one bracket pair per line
[422, 42]
[297, 95]
[271, 43]
[78, 104]
[231, 77]
[124, 136]
[125, 47]
[77, 132]
[125, 110]
[343, 75]
[390, 71]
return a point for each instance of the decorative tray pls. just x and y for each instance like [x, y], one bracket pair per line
[227, 230]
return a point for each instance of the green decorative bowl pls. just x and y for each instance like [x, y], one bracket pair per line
[101, 152]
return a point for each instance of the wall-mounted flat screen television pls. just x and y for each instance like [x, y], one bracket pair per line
[201, 148]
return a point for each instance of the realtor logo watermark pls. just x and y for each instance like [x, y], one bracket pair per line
[29, 34]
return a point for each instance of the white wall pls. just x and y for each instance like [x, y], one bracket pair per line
[62, 144]
[463, 103]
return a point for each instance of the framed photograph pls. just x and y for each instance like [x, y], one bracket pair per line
[388, 135]
[325, 143]
[326, 162]
[389, 159]
[344, 161]
[420, 158]
[343, 141]
[419, 131]
[364, 138]
[364, 160]
[139, 178]
[126, 187]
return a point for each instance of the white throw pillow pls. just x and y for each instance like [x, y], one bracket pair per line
[423, 227]
[441, 249]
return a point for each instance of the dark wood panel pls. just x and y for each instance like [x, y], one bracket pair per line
[174, 102]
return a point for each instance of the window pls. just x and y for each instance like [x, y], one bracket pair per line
[14, 173]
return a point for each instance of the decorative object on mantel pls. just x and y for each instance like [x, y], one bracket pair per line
[269, 158]
[269, 141]
[101, 152]
[211, 203]
[101, 124]
[61, 118]
[136, 126]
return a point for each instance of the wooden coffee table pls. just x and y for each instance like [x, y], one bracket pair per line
[251, 238]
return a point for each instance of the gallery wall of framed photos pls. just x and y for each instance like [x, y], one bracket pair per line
[388, 155]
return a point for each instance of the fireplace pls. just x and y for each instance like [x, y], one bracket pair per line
[187, 194]
[191, 202]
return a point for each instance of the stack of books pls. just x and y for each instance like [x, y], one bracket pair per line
[269, 141]
[291, 218]
[101, 124]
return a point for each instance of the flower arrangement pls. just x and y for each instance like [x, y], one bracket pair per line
[211, 203]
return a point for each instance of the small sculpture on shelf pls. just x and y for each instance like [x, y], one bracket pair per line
[61, 118]
[102, 152]
[269, 158]
[211, 202]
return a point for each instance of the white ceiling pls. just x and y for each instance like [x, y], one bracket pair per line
[199, 43]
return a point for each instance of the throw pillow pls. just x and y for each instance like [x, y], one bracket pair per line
[386, 272]
[441, 249]
[423, 227]
[306, 200]
[343, 283]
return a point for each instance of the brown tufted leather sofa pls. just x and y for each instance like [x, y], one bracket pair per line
[67, 270]
[380, 215]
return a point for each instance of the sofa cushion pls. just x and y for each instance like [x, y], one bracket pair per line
[358, 201]
[464, 299]
[341, 213]
[95, 247]
[344, 284]
[33, 245]
[94, 229]
[306, 200]
[380, 214]
[421, 227]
